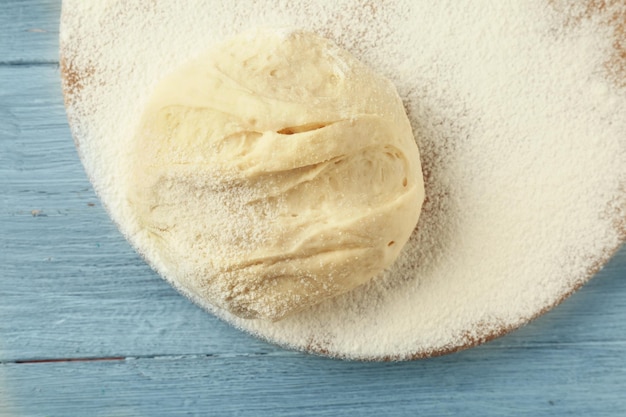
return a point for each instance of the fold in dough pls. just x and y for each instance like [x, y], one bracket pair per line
[273, 172]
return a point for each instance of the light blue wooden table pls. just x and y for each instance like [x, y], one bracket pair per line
[87, 329]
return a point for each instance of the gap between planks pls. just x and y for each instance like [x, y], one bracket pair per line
[286, 353]
[29, 63]
[137, 357]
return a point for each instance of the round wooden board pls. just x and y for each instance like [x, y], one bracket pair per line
[80, 67]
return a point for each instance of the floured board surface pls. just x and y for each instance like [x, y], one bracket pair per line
[518, 114]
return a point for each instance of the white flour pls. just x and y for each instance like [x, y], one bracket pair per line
[521, 129]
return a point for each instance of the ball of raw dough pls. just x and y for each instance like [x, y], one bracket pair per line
[273, 172]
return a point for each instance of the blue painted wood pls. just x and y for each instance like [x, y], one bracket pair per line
[503, 382]
[71, 288]
[29, 31]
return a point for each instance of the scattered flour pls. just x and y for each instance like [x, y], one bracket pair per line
[519, 112]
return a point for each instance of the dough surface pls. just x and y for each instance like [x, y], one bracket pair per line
[273, 172]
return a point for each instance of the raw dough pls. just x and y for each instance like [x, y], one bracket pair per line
[273, 172]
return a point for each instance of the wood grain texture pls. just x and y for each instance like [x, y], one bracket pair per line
[72, 289]
[485, 383]
[29, 31]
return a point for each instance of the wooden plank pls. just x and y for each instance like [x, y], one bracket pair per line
[540, 382]
[29, 31]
